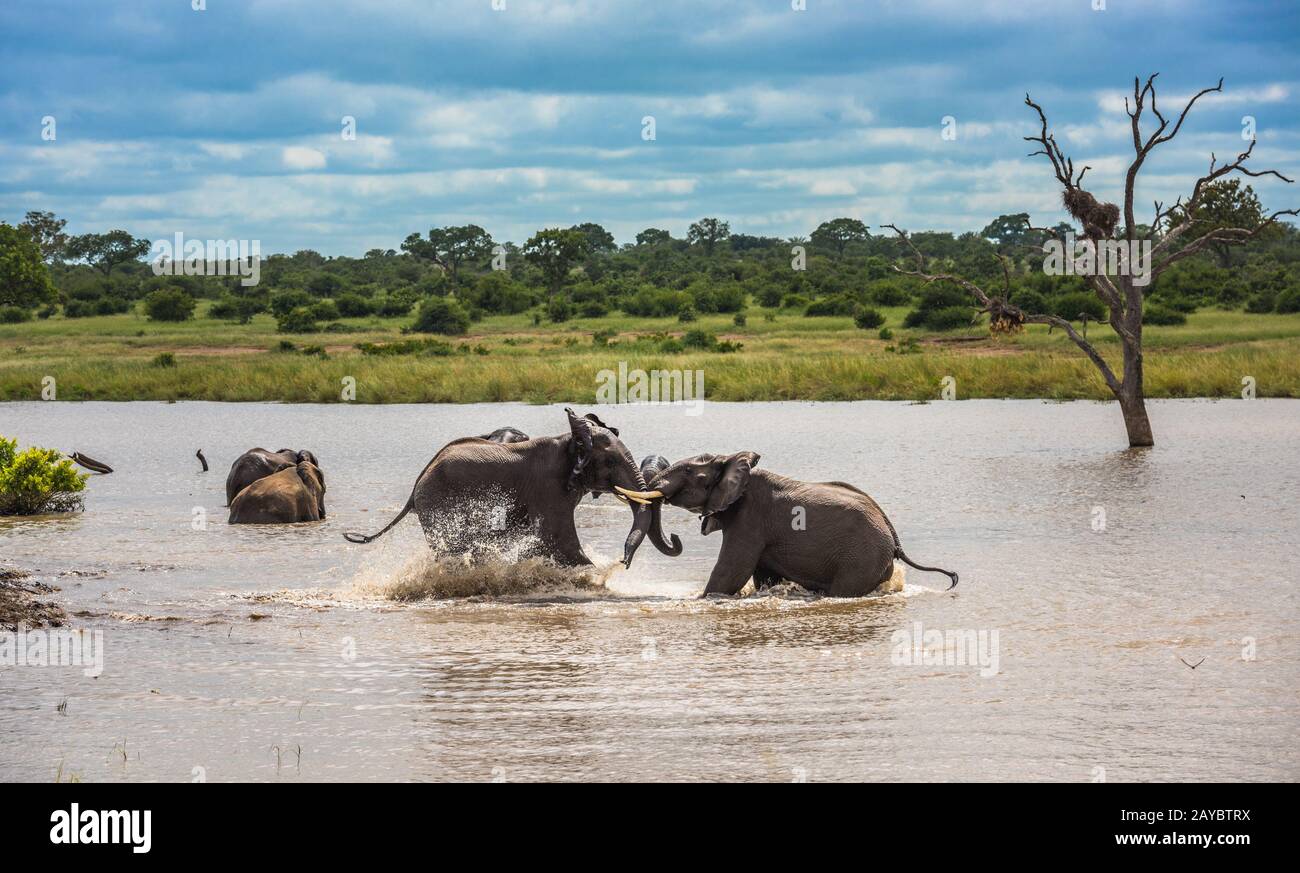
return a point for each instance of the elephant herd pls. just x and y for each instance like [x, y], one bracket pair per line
[496, 488]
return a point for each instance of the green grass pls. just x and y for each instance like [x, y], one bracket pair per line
[793, 357]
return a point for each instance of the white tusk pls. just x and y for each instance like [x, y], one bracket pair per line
[639, 496]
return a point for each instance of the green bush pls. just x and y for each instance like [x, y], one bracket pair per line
[835, 305]
[441, 315]
[1069, 306]
[37, 481]
[559, 309]
[794, 301]
[1288, 301]
[169, 304]
[298, 320]
[867, 318]
[698, 338]
[687, 315]
[938, 309]
[1029, 301]
[164, 359]
[325, 310]
[739, 319]
[430, 347]
[1158, 313]
[14, 315]
[353, 306]
[886, 333]
[236, 308]
[287, 301]
[885, 293]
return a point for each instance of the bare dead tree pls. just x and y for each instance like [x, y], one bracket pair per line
[1122, 297]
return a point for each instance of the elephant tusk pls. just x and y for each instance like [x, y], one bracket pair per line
[639, 496]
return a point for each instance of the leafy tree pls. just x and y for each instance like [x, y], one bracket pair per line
[440, 315]
[599, 240]
[37, 481]
[104, 251]
[838, 233]
[47, 232]
[653, 236]
[24, 278]
[449, 247]
[555, 252]
[169, 304]
[708, 232]
[1009, 232]
[1223, 204]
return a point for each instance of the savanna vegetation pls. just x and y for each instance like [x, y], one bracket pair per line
[453, 315]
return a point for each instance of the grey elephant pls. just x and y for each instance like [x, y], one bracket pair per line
[506, 435]
[475, 492]
[256, 463]
[826, 536]
[289, 496]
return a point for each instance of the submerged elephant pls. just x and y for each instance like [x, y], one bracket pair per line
[289, 496]
[256, 463]
[475, 492]
[506, 435]
[826, 536]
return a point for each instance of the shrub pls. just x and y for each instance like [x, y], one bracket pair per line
[889, 294]
[46, 311]
[739, 319]
[236, 308]
[14, 315]
[699, 339]
[164, 359]
[431, 347]
[1262, 303]
[325, 310]
[949, 318]
[1158, 313]
[836, 305]
[593, 309]
[1288, 301]
[687, 315]
[867, 318]
[441, 315]
[169, 304]
[942, 307]
[393, 305]
[558, 309]
[794, 301]
[287, 301]
[886, 333]
[353, 305]
[1069, 306]
[298, 320]
[1029, 301]
[37, 481]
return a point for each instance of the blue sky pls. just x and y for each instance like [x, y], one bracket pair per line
[226, 123]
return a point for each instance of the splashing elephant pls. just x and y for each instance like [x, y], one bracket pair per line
[255, 464]
[294, 494]
[826, 536]
[476, 492]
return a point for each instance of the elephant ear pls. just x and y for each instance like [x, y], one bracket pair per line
[591, 416]
[581, 430]
[731, 485]
[310, 475]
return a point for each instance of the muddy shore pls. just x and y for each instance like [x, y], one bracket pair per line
[20, 603]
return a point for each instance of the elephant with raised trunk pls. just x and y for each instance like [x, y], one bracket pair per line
[255, 464]
[826, 536]
[477, 492]
[289, 496]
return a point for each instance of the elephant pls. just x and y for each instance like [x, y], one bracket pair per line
[475, 491]
[256, 463]
[289, 496]
[826, 536]
[506, 435]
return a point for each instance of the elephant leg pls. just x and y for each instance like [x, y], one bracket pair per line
[736, 563]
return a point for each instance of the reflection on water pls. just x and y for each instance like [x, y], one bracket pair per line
[287, 653]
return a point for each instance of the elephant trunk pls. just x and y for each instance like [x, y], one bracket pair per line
[657, 533]
[642, 522]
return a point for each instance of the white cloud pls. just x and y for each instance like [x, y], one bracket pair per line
[302, 158]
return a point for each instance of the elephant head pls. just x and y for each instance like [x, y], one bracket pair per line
[314, 481]
[707, 484]
[603, 465]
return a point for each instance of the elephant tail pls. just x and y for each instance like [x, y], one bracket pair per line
[898, 547]
[362, 538]
[902, 556]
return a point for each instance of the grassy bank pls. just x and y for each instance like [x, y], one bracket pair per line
[507, 358]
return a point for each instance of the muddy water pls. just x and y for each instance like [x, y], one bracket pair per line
[1089, 574]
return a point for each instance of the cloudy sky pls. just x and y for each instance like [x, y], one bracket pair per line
[228, 122]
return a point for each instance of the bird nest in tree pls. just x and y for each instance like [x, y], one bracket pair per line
[1003, 317]
[1098, 219]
